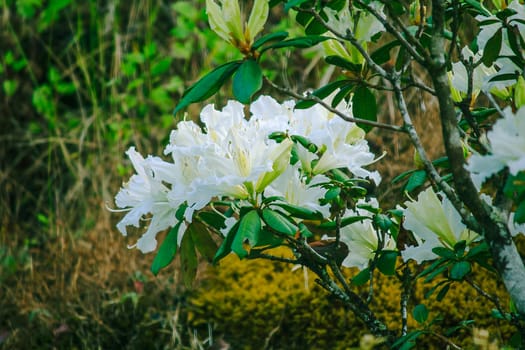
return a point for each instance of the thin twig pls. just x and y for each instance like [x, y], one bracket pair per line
[342, 115]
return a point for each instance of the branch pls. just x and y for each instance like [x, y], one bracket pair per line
[311, 97]
[489, 222]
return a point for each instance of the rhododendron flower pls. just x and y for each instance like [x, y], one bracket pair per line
[434, 223]
[507, 148]
[144, 194]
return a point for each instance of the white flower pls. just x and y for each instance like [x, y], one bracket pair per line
[144, 194]
[362, 239]
[434, 223]
[507, 143]
[292, 186]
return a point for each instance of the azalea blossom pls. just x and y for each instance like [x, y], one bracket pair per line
[434, 223]
[145, 194]
[507, 148]
[362, 239]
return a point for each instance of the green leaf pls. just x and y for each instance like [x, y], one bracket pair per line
[321, 93]
[278, 222]
[403, 175]
[188, 260]
[300, 212]
[341, 62]
[459, 270]
[247, 81]
[519, 214]
[267, 239]
[382, 55]
[213, 219]
[459, 248]
[249, 230]
[420, 313]
[387, 262]
[361, 278]
[429, 293]
[167, 250]
[364, 106]
[293, 3]
[444, 252]
[202, 240]
[479, 249]
[443, 292]
[383, 222]
[342, 93]
[503, 77]
[332, 193]
[277, 36]
[416, 180]
[207, 85]
[492, 49]
[305, 232]
[330, 225]
[302, 42]
[226, 246]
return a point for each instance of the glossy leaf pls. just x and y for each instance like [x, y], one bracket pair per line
[420, 313]
[188, 260]
[382, 55]
[330, 225]
[278, 222]
[300, 212]
[492, 49]
[459, 270]
[226, 246]
[277, 36]
[387, 262]
[167, 250]
[364, 106]
[322, 92]
[361, 278]
[416, 180]
[302, 42]
[249, 230]
[247, 81]
[341, 62]
[202, 240]
[207, 85]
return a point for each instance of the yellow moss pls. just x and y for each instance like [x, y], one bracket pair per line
[251, 303]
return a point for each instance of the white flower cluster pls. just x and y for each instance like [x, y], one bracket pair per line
[233, 157]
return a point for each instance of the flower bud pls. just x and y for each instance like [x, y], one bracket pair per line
[519, 93]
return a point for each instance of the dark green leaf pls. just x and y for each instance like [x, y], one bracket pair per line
[459, 270]
[300, 42]
[403, 175]
[330, 225]
[332, 193]
[167, 250]
[492, 49]
[188, 260]
[247, 81]
[387, 262]
[268, 239]
[444, 252]
[278, 222]
[443, 292]
[277, 36]
[342, 93]
[249, 230]
[519, 214]
[431, 268]
[161, 66]
[213, 219]
[382, 55]
[322, 92]
[429, 293]
[478, 7]
[420, 313]
[293, 3]
[305, 232]
[226, 246]
[383, 222]
[300, 212]
[459, 248]
[503, 77]
[407, 339]
[436, 272]
[202, 240]
[361, 278]
[364, 106]
[416, 180]
[207, 85]
[341, 62]
[315, 27]
[479, 249]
